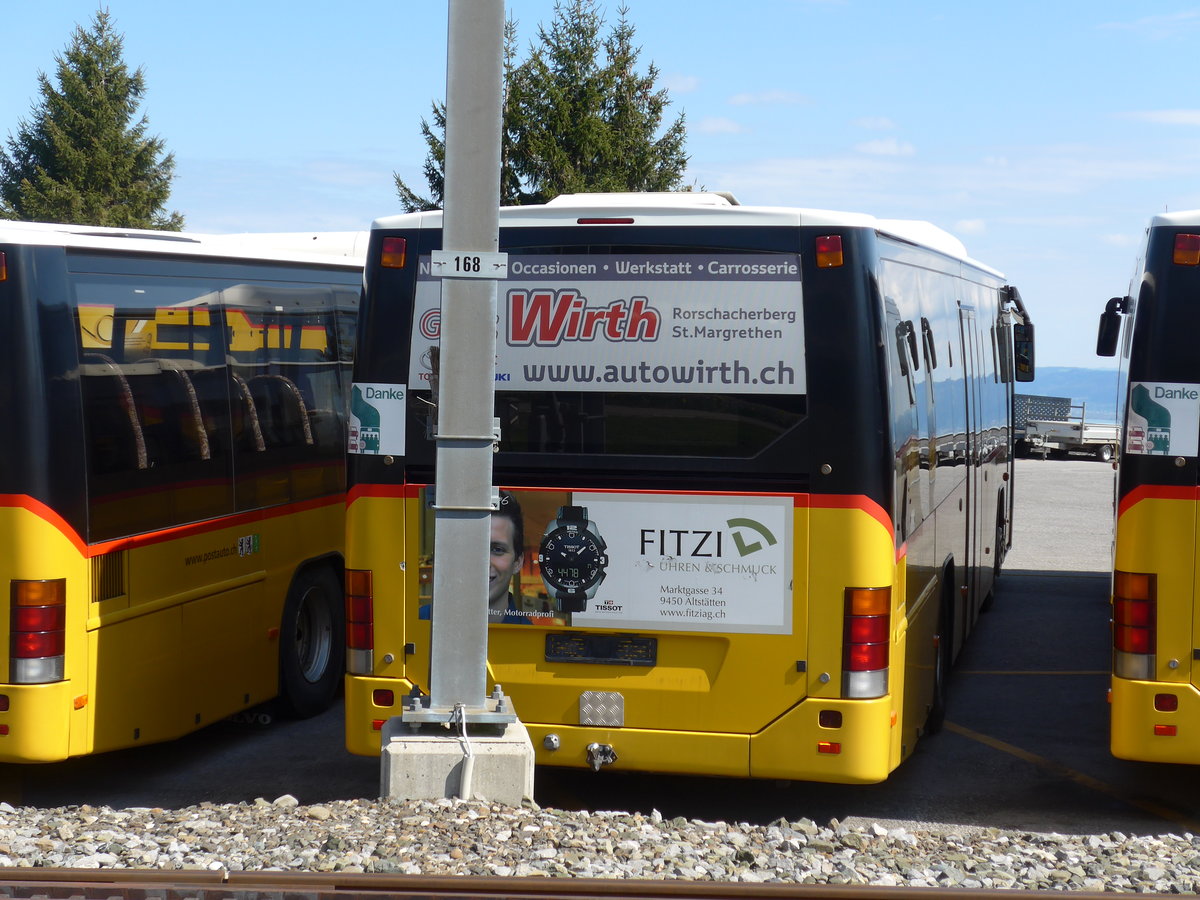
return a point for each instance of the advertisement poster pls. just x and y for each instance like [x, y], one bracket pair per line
[1164, 419]
[640, 561]
[377, 417]
[716, 323]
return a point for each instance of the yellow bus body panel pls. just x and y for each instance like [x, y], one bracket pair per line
[43, 722]
[148, 665]
[715, 703]
[1134, 718]
[1157, 535]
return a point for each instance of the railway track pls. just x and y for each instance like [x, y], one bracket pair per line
[132, 884]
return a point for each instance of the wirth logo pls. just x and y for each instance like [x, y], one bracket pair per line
[546, 318]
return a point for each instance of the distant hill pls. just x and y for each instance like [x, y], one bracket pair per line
[1097, 388]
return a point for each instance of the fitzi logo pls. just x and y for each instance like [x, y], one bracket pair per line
[743, 547]
[547, 318]
[698, 543]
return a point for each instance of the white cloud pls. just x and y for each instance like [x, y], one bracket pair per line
[716, 125]
[680, 84]
[970, 226]
[875, 123]
[886, 147]
[1166, 116]
[771, 98]
[1157, 27]
[1122, 240]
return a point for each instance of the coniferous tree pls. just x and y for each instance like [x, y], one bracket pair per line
[82, 158]
[577, 117]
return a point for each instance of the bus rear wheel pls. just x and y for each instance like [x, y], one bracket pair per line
[943, 655]
[312, 643]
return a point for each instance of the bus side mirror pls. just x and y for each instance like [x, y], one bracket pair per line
[1110, 326]
[1023, 350]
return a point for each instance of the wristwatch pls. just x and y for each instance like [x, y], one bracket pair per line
[572, 558]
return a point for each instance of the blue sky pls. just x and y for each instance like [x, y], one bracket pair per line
[1044, 135]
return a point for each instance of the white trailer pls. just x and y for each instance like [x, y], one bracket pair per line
[1059, 438]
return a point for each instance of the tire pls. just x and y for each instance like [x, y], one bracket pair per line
[941, 668]
[312, 643]
[1104, 452]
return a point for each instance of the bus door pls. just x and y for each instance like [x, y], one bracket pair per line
[972, 359]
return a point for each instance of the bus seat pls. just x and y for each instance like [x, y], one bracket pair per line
[249, 412]
[192, 421]
[281, 410]
[114, 427]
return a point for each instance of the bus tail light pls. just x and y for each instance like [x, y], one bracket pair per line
[1187, 250]
[360, 622]
[829, 251]
[866, 642]
[3, 267]
[38, 622]
[1135, 620]
[394, 253]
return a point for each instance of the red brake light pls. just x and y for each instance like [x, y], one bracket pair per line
[611, 220]
[37, 627]
[1166, 702]
[1135, 617]
[829, 251]
[3, 268]
[1187, 249]
[394, 253]
[867, 627]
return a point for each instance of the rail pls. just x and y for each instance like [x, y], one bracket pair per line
[146, 884]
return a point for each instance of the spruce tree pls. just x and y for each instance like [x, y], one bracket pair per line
[82, 157]
[578, 117]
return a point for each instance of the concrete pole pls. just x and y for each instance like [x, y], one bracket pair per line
[463, 497]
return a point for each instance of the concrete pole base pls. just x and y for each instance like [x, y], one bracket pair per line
[430, 763]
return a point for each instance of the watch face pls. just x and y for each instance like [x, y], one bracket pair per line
[571, 559]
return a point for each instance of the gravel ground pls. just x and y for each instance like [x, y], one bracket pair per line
[454, 837]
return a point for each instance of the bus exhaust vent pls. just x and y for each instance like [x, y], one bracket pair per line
[108, 576]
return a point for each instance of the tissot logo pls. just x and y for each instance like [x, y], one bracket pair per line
[547, 318]
[746, 535]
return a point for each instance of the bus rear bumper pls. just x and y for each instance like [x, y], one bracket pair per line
[1141, 732]
[797, 746]
[35, 722]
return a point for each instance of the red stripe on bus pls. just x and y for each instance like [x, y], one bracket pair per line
[860, 502]
[800, 501]
[1156, 492]
[42, 511]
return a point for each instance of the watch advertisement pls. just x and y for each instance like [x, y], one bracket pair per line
[659, 562]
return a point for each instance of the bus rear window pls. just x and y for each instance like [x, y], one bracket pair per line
[651, 352]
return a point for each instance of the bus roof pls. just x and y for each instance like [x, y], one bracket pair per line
[686, 207]
[1176, 219]
[304, 246]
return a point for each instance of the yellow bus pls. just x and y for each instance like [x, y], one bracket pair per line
[763, 460]
[172, 510]
[1155, 690]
